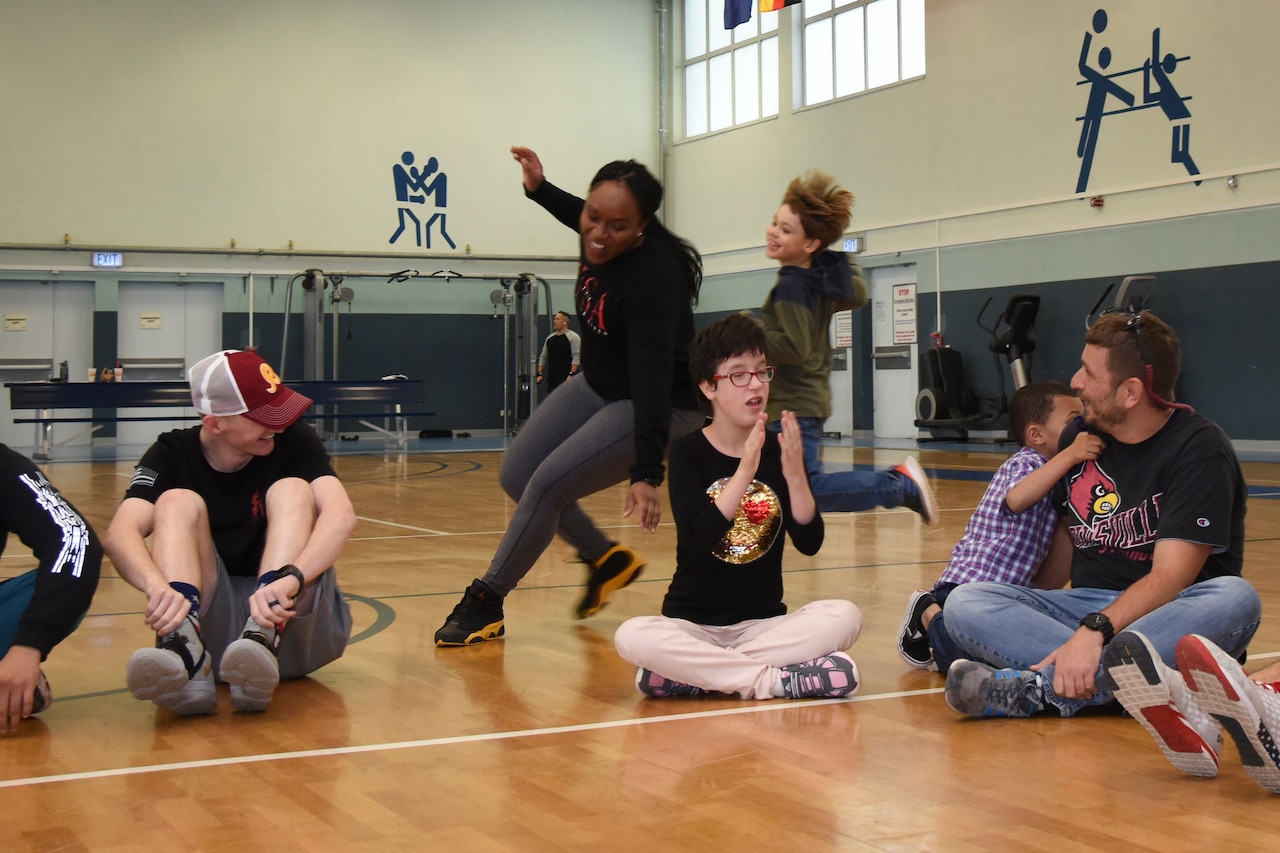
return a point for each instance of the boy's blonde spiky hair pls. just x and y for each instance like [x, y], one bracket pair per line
[825, 208]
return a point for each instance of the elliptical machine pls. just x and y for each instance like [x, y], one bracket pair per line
[946, 405]
[1131, 298]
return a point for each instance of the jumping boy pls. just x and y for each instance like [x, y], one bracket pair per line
[1011, 531]
[734, 490]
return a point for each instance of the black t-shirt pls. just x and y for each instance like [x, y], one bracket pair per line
[1183, 483]
[559, 359]
[236, 501]
[730, 571]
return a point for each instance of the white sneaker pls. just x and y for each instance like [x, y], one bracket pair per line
[917, 491]
[176, 674]
[250, 668]
[1250, 712]
[1157, 697]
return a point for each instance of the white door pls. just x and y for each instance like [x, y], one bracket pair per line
[46, 323]
[894, 362]
[168, 322]
[840, 334]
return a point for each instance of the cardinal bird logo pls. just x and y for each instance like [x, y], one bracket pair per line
[1093, 494]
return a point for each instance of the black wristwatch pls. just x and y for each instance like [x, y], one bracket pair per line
[1100, 623]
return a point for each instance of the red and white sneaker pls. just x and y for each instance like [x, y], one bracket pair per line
[1156, 696]
[1249, 711]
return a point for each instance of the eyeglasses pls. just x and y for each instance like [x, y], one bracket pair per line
[742, 378]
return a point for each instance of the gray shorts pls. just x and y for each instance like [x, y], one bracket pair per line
[316, 636]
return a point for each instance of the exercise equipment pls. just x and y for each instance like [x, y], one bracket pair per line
[517, 298]
[1131, 298]
[946, 406]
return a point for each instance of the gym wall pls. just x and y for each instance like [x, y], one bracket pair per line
[180, 126]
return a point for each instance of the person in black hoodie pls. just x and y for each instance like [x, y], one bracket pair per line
[813, 284]
[636, 286]
[39, 608]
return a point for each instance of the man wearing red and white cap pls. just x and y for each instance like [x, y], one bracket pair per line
[246, 518]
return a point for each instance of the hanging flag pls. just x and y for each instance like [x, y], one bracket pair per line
[775, 5]
[737, 12]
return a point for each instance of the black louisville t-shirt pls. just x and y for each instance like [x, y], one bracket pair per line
[1183, 483]
[236, 501]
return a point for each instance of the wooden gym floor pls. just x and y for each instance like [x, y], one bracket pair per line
[540, 742]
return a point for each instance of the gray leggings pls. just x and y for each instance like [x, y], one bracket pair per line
[576, 444]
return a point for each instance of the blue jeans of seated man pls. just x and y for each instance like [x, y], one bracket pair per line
[843, 491]
[1013, 626]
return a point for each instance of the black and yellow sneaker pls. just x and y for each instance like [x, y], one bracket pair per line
[478, 617]
[617, 568]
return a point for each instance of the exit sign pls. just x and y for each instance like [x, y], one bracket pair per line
[108, 260]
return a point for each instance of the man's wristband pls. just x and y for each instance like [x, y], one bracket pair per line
[284, 571]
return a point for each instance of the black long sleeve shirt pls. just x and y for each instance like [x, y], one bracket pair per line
[69, 552]
[636, 320]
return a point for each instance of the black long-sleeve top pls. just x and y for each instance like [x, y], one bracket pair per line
[69, 552]
[636, 320]
[729, 571]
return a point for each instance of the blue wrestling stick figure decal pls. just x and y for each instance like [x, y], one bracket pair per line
[412, 188]
[1157, 91]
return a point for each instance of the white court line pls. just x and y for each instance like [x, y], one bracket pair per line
[442, 741]
[402, 526]
[432, 532]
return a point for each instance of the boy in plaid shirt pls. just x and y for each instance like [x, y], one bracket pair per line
[1012, 529]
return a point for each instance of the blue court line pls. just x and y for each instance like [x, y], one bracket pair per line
[1266, 492]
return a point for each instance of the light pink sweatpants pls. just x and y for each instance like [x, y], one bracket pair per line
[742, 658]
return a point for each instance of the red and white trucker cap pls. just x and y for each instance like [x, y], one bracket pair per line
[239, 382]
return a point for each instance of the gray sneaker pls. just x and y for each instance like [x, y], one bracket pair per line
[176, 674]
[250, 668]
[978, 690]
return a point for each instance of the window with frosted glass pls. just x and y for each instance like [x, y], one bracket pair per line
[856, 45]
[730, 76]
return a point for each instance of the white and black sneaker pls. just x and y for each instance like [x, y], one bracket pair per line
[176, 674]
[250, 667]
[913, 639]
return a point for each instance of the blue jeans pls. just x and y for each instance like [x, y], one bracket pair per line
[945, 649]
[1013, 626]
[843, 491]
